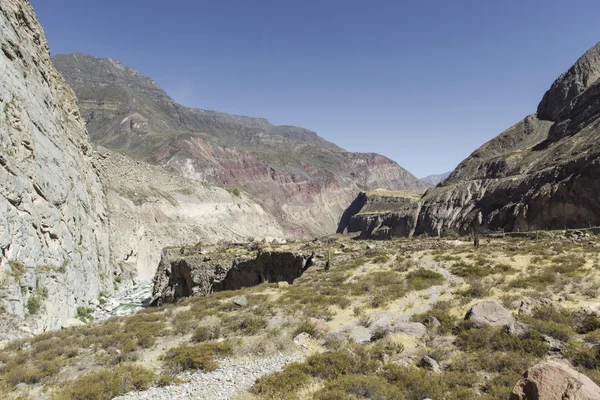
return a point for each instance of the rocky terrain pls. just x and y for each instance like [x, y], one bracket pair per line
[538, 174]
[394, 319]
[304, 181]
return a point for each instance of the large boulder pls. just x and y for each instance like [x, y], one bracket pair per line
[552, 380]
[489, 313]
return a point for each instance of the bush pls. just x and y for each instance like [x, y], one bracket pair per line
[471, 339]
[350, 360]
[206, 333]
[476, 290]
[423, 278]
[85, 314]
[108, 383]
[439, 310]
[358, 387]
[279, 385]
[200, 356]
[34, 304]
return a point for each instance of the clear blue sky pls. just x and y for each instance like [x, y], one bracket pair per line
[422, 82]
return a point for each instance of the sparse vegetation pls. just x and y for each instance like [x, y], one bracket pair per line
[194, 333]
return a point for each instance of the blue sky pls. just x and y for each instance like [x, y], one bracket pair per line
[422, 82]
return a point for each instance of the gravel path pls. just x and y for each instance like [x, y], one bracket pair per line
[233, 377]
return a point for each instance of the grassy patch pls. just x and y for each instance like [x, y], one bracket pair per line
[197, 357]
[106, 384]
[422, 278]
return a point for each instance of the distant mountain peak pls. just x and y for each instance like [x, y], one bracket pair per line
[436, 178]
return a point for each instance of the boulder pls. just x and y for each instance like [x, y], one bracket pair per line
[411, 329]
[552, 380]
[529, 305]
[432, 323]
[489, 313]
[429, 363]
[283, 285]
[241, 301]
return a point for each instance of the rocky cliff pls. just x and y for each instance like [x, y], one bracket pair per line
[78, 221]
[541, 173]
[295, 175]
[54, 232]
[199, 271]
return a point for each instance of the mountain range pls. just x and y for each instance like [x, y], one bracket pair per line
[302, 179]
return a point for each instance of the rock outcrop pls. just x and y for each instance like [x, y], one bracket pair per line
[539, 174]
[552, 380]
[381, 214]
[304, 181]
[197, 271]
[54, 233]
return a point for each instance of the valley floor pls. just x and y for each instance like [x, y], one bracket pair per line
[387, 320]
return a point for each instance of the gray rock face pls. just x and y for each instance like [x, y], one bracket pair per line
[489, 313]
[183, 272]
[54, 240]
[584, 73]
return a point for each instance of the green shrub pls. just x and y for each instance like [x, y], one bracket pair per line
[17, 269]
[370, 387]
[200, 356]
[471, 338]
[34, 304]
[423, 278]
[476, 290]
[85, 314]
[350, 360]
[440, 311]
[108, 383]
[279, 385]
[206, 333]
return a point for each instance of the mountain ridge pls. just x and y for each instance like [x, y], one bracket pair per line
[302, 179]
[538, 174]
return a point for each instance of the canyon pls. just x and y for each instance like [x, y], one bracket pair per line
[539, 174]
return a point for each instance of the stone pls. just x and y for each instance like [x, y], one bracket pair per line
[489, 313]
[321, 327]
[516, 328]
[283, 285]
[241, 301]
[303, 339]
[429, 363]
[529, 305]
[411, 329]
[552, 380]
[432, 323]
